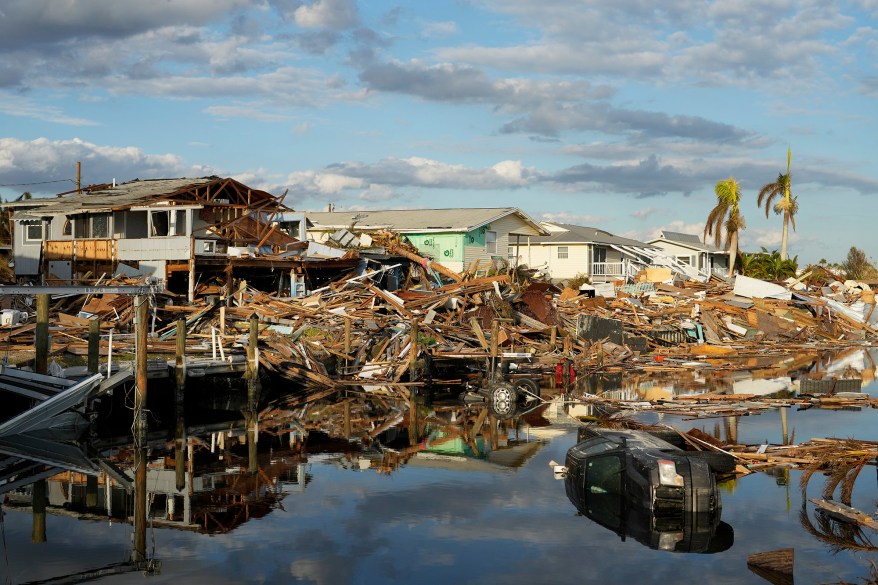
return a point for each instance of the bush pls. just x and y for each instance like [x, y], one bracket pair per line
[578, 281]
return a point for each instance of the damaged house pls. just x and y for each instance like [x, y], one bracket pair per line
[185, 232]
[457, 238]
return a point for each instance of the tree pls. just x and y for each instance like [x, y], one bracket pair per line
[857, 266]
[786, 203]
[726, 219]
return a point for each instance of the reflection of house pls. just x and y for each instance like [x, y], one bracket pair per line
[690, 250]
[570, 250]
[177, 230]
[455, 237]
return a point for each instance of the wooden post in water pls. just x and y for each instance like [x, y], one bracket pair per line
[253, 387]
[94, 345]
[38, 507]
[141, 304]
[179, 403]
[41, 341]
[180, 360]
[41, 366]
[91, 492]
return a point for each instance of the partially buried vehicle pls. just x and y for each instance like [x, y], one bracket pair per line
[637, 484]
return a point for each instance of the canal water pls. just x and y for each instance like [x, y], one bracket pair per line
[354, 491]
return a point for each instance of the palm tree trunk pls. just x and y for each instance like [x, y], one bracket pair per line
[785, 237]
[733, 253]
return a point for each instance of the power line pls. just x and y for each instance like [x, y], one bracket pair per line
[37, 183]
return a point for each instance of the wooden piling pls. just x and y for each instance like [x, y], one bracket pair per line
[141, 304]
[41, 333]
[180, 361]
[94, 345]
[38, 508]
[91, 492]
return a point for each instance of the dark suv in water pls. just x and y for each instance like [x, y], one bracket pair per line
[651, 473]
[639, 485]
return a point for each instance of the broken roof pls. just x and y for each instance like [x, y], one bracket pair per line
[577, 234]
[687, 240]
[106, 197]
[421, 220]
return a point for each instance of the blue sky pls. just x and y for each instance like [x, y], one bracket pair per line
[619, 115]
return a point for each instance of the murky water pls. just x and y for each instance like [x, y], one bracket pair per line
[466, 499]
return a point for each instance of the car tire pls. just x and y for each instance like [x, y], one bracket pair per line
[502, 400]
[718, 462]
[527, 389]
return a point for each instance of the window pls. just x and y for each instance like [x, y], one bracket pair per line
[80, 227]
[33, 232]
[684, 259]
[160, 222]
[67, 230]
[100, 225]
[562, 252]
[491, 242]
[600, 255]
[180, 222]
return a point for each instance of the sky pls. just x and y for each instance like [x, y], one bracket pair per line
[618, 115]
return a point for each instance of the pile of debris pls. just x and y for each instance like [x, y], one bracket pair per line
[356, 333]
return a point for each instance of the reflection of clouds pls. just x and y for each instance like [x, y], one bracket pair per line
[322, 571]
[437, 526]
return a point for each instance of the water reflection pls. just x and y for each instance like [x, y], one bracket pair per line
[390, 482]
[759, 372]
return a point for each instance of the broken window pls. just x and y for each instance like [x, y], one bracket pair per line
[160, 222]
[67, 230]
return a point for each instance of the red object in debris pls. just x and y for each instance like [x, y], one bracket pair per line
[559, 373]
[659, 358]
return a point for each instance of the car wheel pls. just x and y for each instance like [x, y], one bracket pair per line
[527, 388]
[718, 462]
[502, 400]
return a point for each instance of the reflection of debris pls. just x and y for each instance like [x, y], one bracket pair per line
[774, 566]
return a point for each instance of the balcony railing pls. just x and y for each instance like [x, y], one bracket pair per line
[608, 268]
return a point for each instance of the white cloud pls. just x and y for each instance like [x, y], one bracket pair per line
[440, 29]
[331, 14]
[23, 107]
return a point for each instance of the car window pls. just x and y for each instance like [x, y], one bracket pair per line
[598, 446]
[603, 475]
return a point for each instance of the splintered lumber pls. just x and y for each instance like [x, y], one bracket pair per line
[844, 513]
[443, 270]
[774, 566]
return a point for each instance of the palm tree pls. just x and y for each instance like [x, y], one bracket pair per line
[726, 217]
[787, 204]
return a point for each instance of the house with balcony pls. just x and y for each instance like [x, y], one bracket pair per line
[179, 231]
[689, 250]
[458, 238]
[571, 250]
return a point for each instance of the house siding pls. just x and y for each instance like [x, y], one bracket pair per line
[474, 248]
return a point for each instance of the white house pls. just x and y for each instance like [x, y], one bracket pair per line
[570, 250]
[690, 250]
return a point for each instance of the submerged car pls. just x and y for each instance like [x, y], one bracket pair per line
[638, 470]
